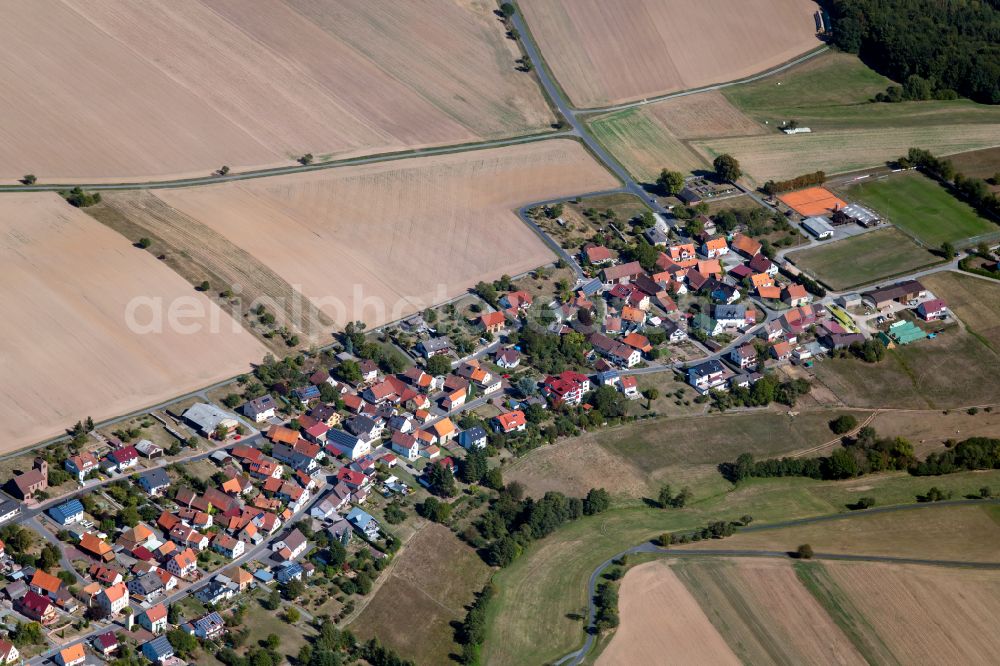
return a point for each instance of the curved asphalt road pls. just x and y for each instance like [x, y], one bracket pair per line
[576, 657]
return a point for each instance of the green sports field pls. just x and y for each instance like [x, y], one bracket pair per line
[863, 259]
[923, 208]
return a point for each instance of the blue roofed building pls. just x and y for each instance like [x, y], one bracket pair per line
[363, 522]
[473, 438]
[289, 572]
[158, 650]
[67, 513]
[264, 576]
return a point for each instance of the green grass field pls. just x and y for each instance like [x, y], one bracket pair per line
[533, 619]
[863, 259]
[922, 207]
[637, 142]
[833, 91]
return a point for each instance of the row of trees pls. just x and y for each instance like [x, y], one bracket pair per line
[472, 632]
[511, 524]
[975, 191]
[772, 187]
[950, 45]
[868, 453]
[763, 392]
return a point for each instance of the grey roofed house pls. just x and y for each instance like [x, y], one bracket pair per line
[341, 531]
[205, 416]
[253, 408]
[705, 368]
[294, 540]
[723, 311]
[655, 236]
[146, 585]
[8, 509]
[154, 480]
[360, 425]
[19, 588]
[434, 346]
[158, 650]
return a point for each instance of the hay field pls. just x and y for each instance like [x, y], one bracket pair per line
[959, 533]
[765, 613]
[109, 89]
[924, 615]
[381, 241]
[975, 301]
[68, 351]
[426, 588]
[662, 623]
[779, 156]
[603, 53]
[649, 138]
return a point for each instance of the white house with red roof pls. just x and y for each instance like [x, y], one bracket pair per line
[508, 422]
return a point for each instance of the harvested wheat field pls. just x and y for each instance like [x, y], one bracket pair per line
[117, 89]
[954, 533]
[780, 156]
[609, 52]
[923, 615]
[381, 241]
[661, 623]
[68, 350]
[649, 138]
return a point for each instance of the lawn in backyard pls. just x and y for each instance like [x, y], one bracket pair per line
[922, 207]
[863, 259]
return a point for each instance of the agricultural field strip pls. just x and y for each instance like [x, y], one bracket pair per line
[577, 656]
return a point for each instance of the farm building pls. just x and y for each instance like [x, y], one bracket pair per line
[818, 226]
[901, 293]
[857, 214]
[903, 333]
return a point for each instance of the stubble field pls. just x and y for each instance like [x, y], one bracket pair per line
[608, 52]
[126, 90]
[381, 241]
[68, 351]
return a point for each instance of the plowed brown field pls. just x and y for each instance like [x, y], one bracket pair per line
[68, 351]
[123, 89]
[604, 53]
[380, 241]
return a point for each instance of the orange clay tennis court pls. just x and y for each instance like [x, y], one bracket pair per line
[812, 201]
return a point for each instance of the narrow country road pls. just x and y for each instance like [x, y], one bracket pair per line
[577, 656]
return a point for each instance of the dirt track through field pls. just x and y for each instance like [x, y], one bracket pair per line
[122, 89]
[68, 352]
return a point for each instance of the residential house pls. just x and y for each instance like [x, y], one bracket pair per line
[707, 376]
[184, 535]
[149, 450]
[67, 513]
[492, 322]
[621, 274]
[105, 644]
[629, 385]
[675, 333]
[745, 356]
[364, 523]
[795, 295]
[228, 546]
[8, 653]
[288, 572]
[781, 350]
[568, 388]
[932, 309]
[326, 414]
[95, 546]
[472, 438]
[745, 245]
[36, 607]
[366, 428]
[81, 465]
[340, 531]
[154, 619]
[208, 627]
[260, 409]
[508, 359]
[617, 352]
[105, 575]
[714, 247]
[508, 422]
[112, 600]
[155, 481]
[341, 442]
[291, 546]
[45, 583]
[682, 254]
[183, 564]
[405, 445]
[146, 587]
[72, 655]
[158, 650]
[759, 263]
[598, 255]
[353, 479]
[516, 301]
[444, 429]
[434, 347]
[9, 510]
